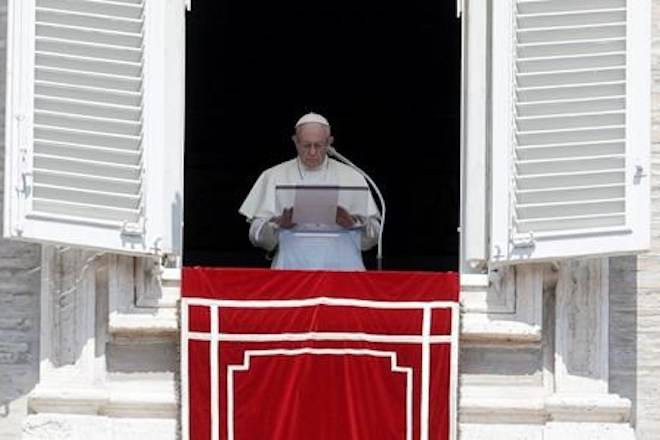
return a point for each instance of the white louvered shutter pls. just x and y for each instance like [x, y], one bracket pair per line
[86, 134]
[571, 128]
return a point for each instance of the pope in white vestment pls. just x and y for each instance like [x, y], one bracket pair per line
[339, 249]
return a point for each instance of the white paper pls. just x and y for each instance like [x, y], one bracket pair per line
[315, 207]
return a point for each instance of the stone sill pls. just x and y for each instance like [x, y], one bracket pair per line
[475, 327]
[501, 410]
[478, 327]
[535, 409]
[588, 408]
[156, 322]
[102, 401]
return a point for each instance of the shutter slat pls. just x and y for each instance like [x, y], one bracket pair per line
[551, 64]
[87, 137]
[87, 123]
[88, 49]
[132, 2]
[579, 76]
[542, 50]
[81, 166]
[101, 22]
[559, 151]
[111, 200]
[87, 152]
[85, 93]
[114, 9]
[567, 121]
[90, 108]
[567, 6]
[570, 179]
[571, 19]
[572, 91]
[575, 33]
[84, 210]
[77, 33]
[571, 224]
[570, 208]
[84, 181]
[87, 64]
[559, 165]
[544, 137]
[562, 106]
[97, 81]
[578, 193]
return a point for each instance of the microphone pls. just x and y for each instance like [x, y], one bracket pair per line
[334, 153]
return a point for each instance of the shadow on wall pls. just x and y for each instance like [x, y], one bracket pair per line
[623, 329]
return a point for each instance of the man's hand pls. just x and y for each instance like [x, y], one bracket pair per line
[344, 218]
[285, 221]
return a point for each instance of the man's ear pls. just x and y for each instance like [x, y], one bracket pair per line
[331, 140]
[294, 139]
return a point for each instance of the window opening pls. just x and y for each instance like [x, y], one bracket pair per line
[387, 78]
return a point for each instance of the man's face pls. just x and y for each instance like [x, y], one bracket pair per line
[312, 141]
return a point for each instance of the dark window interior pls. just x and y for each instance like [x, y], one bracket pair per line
[387, 78]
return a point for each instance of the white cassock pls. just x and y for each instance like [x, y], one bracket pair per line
[335, 250]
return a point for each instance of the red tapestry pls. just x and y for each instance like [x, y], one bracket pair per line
[301, 355]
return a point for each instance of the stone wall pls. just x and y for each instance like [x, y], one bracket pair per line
[635, 297]
[19, 302]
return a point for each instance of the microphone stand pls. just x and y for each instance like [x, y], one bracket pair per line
[379, 255]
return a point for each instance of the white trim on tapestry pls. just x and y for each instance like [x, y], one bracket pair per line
[453, 372]
[185, 337]
[320, 301]
[317, 351]
[215, 365]
[321, 336]
[425, 373]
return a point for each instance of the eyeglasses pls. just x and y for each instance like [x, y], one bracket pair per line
[315, 145]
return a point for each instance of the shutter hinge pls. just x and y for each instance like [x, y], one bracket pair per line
[188, 4]
[25, 175]
[133, 229]
[524, 240]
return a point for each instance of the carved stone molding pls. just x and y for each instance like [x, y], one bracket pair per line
[506, 307]
[581, 405]
[143, 299]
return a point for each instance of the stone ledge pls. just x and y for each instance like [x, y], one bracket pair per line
[588, 431]
[67, 427]
[528, 405]
[145, 323]
[103, 401]
[501, 410]
[490, 431]
[486, 329]
[606, 408]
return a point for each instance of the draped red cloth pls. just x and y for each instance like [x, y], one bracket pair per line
[293, 355]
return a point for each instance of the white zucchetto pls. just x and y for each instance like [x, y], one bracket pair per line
[312, 118]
